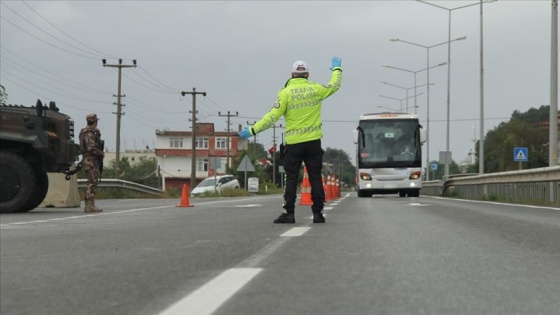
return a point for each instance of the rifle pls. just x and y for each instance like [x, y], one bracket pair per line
[102, 147]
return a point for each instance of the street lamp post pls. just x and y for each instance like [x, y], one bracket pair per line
[400, 99]
[553, 120]
[389, 108]
[428, 92]
[415, 72]
[406, 89]
[446, 174]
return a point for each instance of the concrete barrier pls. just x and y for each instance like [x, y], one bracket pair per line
[62, 193]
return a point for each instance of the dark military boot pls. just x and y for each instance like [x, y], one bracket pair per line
[285, 218]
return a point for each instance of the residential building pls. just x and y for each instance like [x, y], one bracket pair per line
[173, 150]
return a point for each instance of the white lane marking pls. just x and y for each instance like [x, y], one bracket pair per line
[85, 215]
[262, 255]
[213, 294]
[495, 203]
[419, 204]
[228, 200]
[248, 206]
[297, 231]
[124, 211]
[328, 208]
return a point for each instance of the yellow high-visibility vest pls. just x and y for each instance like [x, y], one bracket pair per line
[300, 103]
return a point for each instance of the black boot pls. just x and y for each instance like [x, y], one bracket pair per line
[318, 217]
[285, 218]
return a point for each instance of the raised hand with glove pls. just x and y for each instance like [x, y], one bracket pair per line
[336, 64]
[246, 133]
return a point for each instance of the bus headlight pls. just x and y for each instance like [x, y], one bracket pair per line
[415, 174]
[365, 176]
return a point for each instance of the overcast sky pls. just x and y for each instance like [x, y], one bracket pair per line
[240, 53]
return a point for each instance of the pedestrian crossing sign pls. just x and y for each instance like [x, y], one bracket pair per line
[520, 154]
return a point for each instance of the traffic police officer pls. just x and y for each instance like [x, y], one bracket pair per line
[90, 148]
[300, 104]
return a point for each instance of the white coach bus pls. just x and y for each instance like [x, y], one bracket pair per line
[389, 154]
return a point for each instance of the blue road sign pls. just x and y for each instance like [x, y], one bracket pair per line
[434, 166]
[520, 154]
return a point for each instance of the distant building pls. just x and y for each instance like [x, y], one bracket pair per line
[173, 150]
[133, 156]
[468, 161]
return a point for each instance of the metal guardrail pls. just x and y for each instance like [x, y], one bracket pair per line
[109, 182]
[540, 185]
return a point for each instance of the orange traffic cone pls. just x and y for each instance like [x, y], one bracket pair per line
[324, 187]
[332, 188]
[185, 198]
[337, 187]
[305, 189]
[327, 188]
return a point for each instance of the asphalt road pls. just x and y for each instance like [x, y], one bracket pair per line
[380, 255]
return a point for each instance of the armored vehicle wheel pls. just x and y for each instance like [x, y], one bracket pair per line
[17, 182]
[41, 189]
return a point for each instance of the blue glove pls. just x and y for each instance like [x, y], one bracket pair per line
[246, 133]
[336, 63]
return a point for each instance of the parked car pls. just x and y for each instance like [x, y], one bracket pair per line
[215, 184]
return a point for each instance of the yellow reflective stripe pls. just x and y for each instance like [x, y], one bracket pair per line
[304, 104]
[300, 131]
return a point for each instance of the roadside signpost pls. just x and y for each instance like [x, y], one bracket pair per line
[520, 154]
[246, 166]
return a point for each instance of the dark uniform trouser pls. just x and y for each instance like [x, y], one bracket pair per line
[311, 154]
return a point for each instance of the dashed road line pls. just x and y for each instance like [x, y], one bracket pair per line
[213, 294]
[217, 291]
[297, 231]
[89, 215]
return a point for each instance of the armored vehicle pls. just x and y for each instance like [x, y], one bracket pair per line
[34, 140]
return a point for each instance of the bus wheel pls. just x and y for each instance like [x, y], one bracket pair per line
[402, 193]
[414, 193]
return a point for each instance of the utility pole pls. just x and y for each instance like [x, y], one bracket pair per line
[274, 154]
[553, 120]
[228, 130]
[119, 112]
[254, 140]
[193, 156]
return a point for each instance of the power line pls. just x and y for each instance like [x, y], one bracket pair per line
[50, 72]
[53, 92]
[148, 87]
[65, 50]
[63, 32]
[163, 85]
[40, 78]
[45, 32]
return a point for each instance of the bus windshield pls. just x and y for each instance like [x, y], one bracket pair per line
[389, 143]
